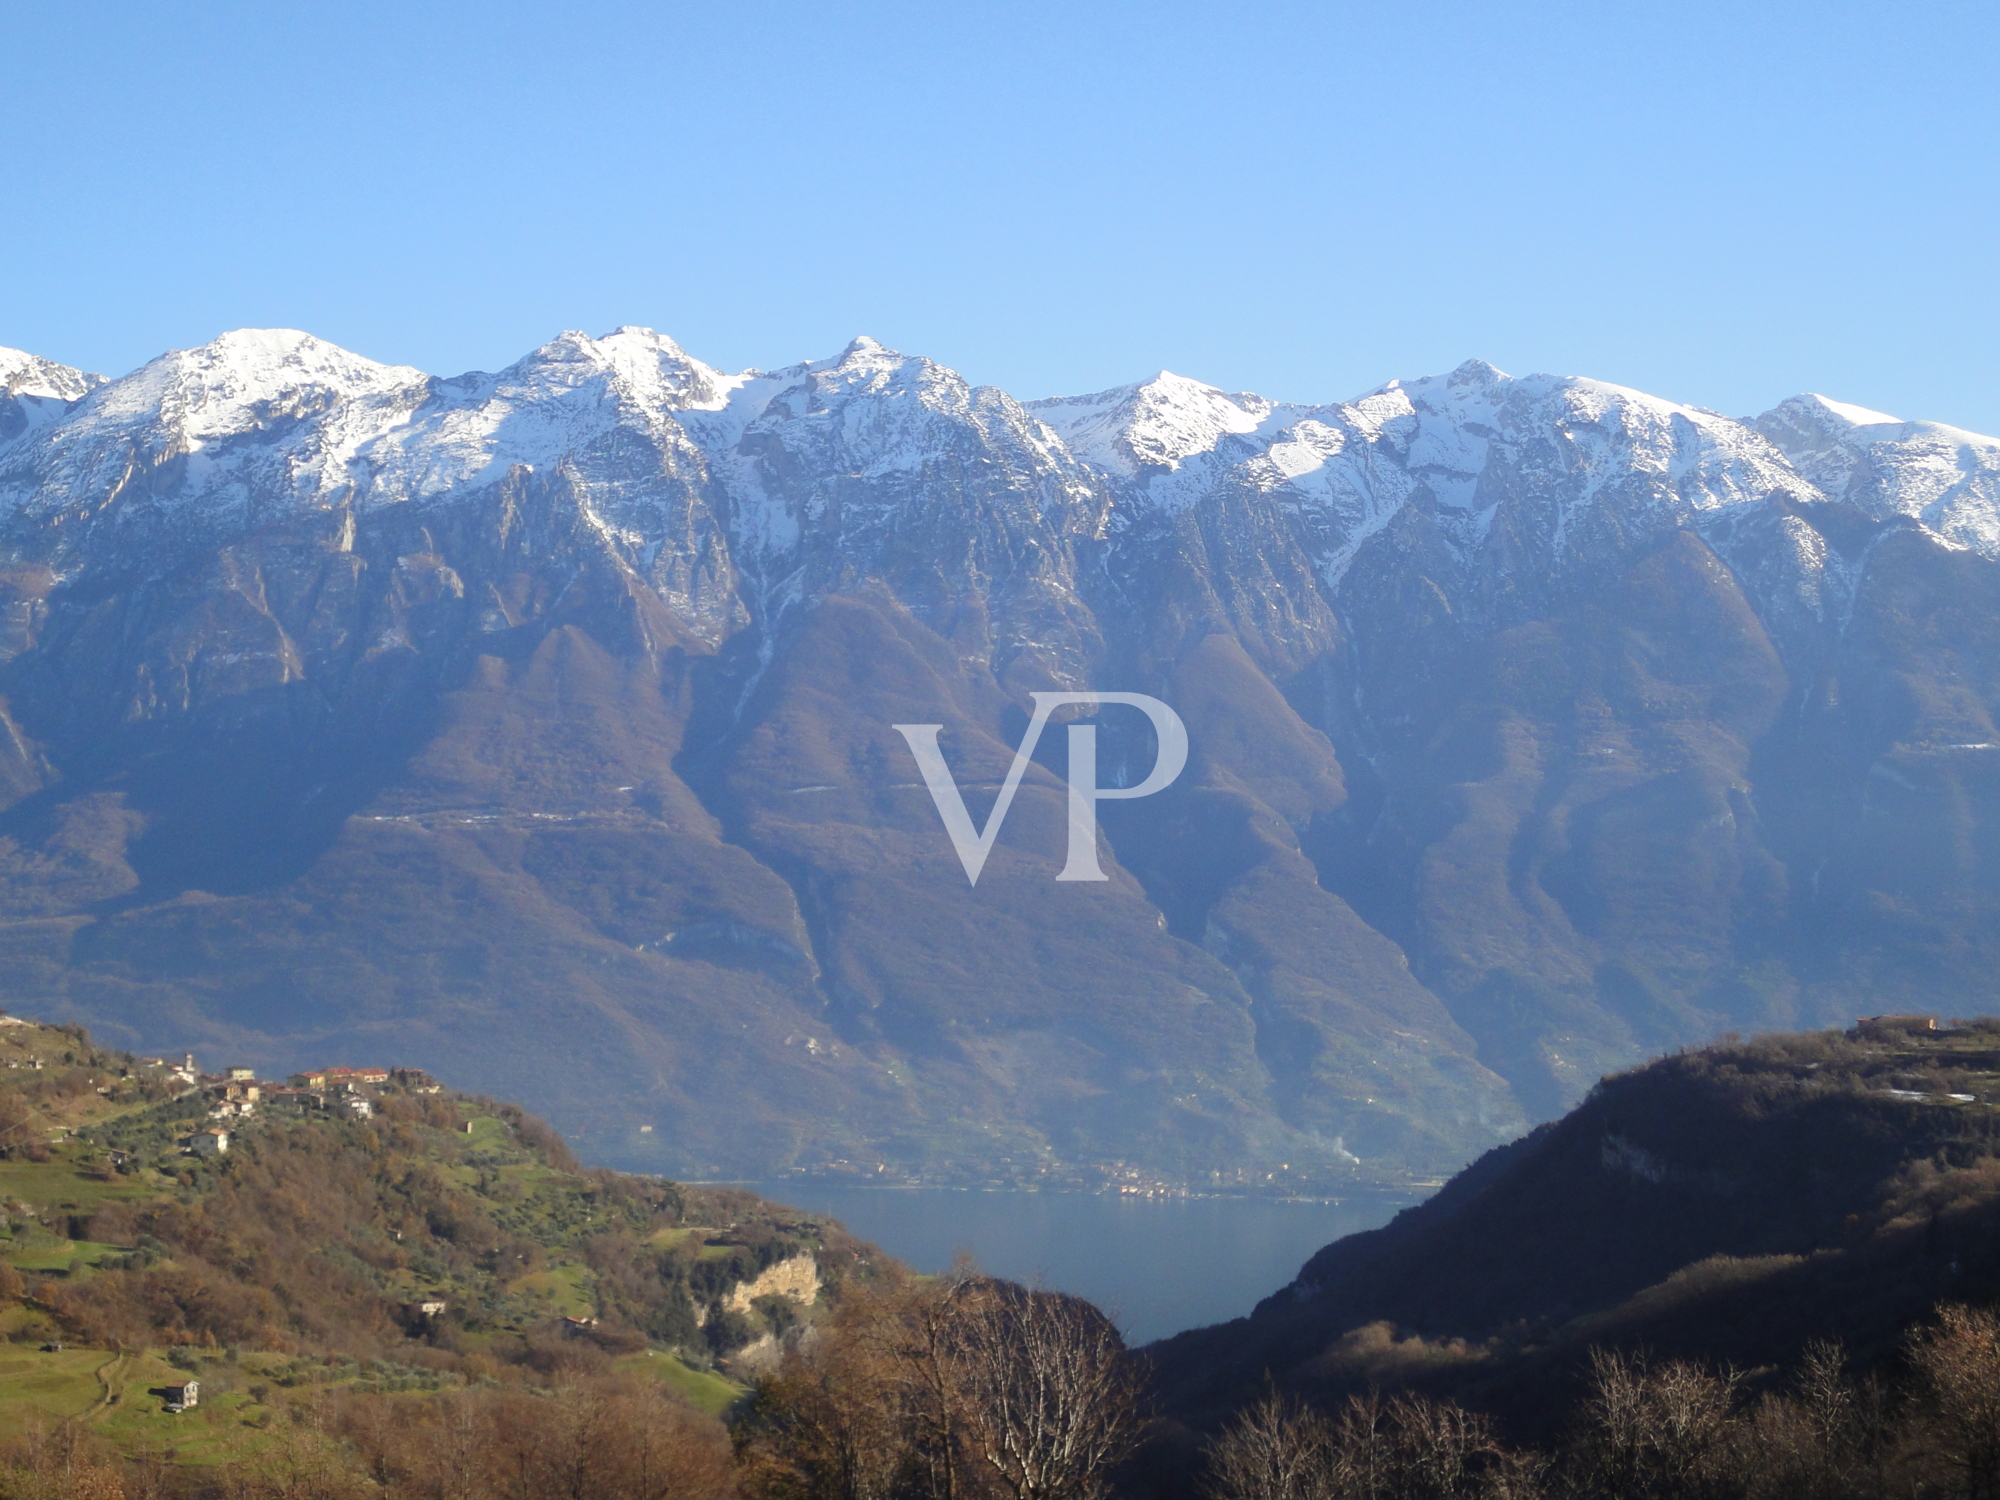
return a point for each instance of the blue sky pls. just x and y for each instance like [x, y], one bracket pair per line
[1719, 203]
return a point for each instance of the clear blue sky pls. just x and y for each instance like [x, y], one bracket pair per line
[1720, 203]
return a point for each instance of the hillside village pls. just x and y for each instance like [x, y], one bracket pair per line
[363, 1229]
[238, 1095]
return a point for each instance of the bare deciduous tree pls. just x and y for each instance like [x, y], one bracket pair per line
[1655, 1430]
[1049, 1397]
[957, 1388]
[1274, 1449]
[1405, 1448]
[1957, 1362]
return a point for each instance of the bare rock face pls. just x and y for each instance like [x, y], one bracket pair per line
[537, 728]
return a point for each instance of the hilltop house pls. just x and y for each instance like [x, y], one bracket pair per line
[207, 1142]
[339, 1078]
[181, 1397]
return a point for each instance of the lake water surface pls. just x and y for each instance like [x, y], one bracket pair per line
[1157, 1265]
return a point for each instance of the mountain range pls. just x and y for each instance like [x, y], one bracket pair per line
[538, 727]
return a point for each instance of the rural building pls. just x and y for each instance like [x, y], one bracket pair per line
[181, 1397]
[207, 1142]
[335, 1077]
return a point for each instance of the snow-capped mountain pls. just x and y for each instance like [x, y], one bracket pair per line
[1947, 479]
[274, 418]
[35, 392]
[547, 713]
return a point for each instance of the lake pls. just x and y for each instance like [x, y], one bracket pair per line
[1157, 1265]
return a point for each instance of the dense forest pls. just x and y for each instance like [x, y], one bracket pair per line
[1764, 1268]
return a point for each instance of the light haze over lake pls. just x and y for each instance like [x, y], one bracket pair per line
[1157, 1265]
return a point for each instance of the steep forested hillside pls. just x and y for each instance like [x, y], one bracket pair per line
[1735, 1203]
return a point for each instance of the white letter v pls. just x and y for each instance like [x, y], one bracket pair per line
[972, 847]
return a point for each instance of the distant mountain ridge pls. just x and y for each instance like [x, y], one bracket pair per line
[541, 721]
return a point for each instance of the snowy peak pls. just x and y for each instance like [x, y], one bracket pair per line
[262, 419]
[243, 383]
[24, 374]
[36, 393]
[636, 365]
[1947, 478]
[1843, 412]
[242, 376]
[256, 420]
[572, 401]
[867, 367]
[1156, 424]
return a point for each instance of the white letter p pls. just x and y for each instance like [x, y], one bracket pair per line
[1084, 792]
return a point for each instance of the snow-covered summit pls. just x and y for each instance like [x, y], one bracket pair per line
[846, 442]
[257, 419]
[1155, 424]
[1598, 435]
[37, 392]
[261, 420]
[1557, 452]
[571, 395]
[1945, 477]
[24, 374]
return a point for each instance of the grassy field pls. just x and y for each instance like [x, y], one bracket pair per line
[45, 1388]
[59, 1183]
[42, 1256]
[563, 1290]
[702, 1390]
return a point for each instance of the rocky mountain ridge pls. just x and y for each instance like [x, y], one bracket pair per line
[543, 721]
